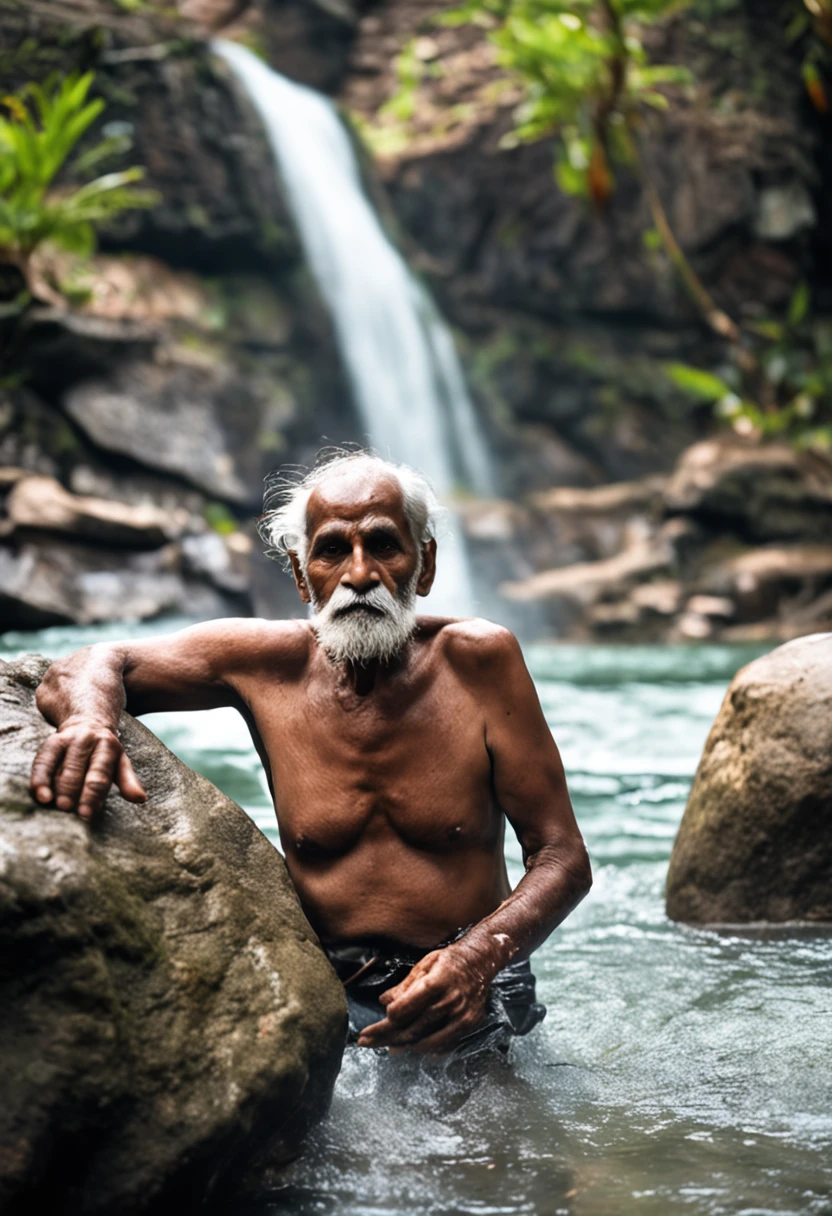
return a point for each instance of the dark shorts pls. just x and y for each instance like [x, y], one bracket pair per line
[369, 967]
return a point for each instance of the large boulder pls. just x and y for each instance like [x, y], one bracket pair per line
[168, 1016]
[755, 843]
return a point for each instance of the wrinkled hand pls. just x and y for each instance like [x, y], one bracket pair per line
[77, 765]
[440, 1000]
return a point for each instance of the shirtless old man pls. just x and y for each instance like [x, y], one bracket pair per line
[396, 747]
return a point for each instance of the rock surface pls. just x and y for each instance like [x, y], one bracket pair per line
[729, 546]
[761, 493]
[168, 1016]
[42, 503]
[755, 843]
[58, 582]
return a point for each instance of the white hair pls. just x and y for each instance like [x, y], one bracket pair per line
[283, 523]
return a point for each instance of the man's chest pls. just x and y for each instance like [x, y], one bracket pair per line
[344, 766]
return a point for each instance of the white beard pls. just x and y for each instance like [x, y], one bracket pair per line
[363, 634]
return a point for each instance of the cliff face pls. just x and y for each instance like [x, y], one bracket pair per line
[194, 352]
[567, 316]
[191, 355]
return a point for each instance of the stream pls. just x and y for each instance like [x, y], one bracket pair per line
[677, 1070]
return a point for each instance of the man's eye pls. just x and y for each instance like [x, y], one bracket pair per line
[330, 548]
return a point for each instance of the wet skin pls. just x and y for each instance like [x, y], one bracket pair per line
[392, 782]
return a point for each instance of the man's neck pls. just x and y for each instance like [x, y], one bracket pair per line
[363, 678]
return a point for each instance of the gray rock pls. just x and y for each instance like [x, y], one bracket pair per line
[755, 843]
[200, 423]
[55, 583]
[168, 1016]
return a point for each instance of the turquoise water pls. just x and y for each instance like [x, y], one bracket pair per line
[678, 1071]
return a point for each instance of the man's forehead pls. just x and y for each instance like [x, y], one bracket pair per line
[350, 496]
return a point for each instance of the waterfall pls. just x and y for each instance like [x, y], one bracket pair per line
[405, 375]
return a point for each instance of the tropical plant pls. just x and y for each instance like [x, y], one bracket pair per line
[587, 80]
[38, 136]
[788, 392]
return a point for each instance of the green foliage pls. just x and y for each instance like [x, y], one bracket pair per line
[219, 518]
[697, 383]
[37, 140]
[409, 72]
[585, 75]
[786, 392]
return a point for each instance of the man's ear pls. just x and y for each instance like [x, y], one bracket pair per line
[303, 590]
[428, 572]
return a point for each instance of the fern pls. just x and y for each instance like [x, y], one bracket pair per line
[38, 137]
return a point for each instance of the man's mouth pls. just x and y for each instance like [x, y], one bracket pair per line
[359, 608]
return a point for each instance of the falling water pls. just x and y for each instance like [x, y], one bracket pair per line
[404, 371]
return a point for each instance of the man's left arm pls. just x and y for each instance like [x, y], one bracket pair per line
[445, 995]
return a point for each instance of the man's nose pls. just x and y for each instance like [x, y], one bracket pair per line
[361, 575]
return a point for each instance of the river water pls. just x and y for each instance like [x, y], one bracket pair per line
[677, 1070]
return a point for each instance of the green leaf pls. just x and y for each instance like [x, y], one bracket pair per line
[698, 383]
[799, 304]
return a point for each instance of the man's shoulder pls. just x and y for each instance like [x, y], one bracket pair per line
[477, 646]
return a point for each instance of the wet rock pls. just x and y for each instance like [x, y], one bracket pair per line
[755, 843]
[661, 598]
[761, 493]
[168, 1016]
[33, 436]
[211, 165]
[56, 583]
[223, 560]
[42, 503]
[10, 476]
[625, 497]
[309, 40]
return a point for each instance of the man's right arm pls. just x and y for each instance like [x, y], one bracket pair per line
[84, 695]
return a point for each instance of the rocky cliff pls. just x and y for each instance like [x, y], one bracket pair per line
[193, 353]
[174, 369]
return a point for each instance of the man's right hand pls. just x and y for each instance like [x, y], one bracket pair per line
[77, 765]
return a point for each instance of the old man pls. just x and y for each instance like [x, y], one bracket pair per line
[396, 746]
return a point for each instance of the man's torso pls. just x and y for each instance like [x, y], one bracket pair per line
[384, 800]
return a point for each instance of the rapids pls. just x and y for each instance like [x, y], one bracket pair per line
[678, 1071]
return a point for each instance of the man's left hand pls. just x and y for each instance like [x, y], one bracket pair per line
[442, 999]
